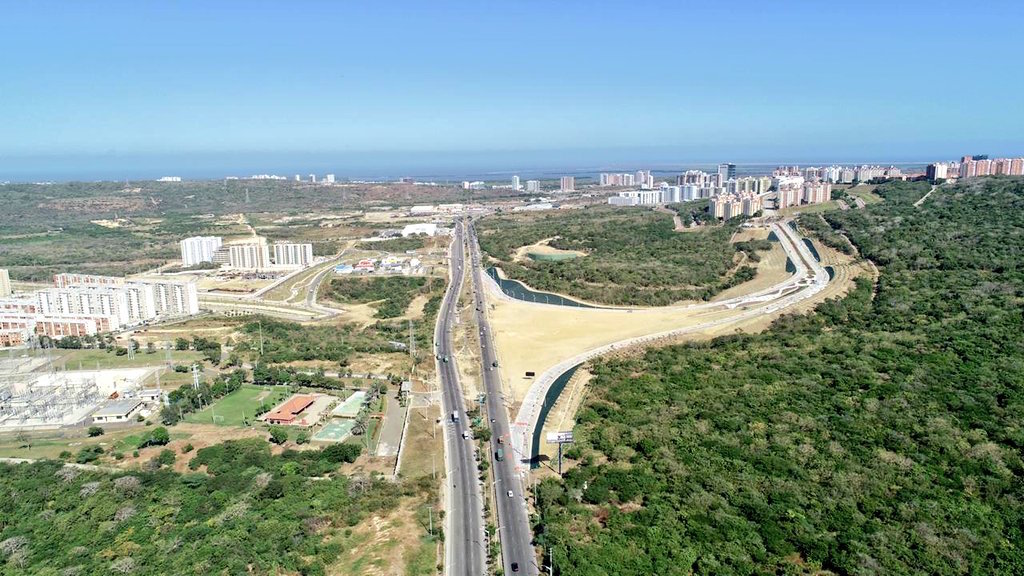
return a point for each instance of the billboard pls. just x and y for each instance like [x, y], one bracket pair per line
[560, 437]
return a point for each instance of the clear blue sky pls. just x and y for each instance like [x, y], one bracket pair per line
[577, 81]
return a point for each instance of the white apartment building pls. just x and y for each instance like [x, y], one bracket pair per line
[623, 201]
[249, 256]
[671, 194]
[568, 184]
[515, 183]
[533, 185]
[199, 249]
[5, 283]
[329, 178]
[293, 255]
[636, 198]
[127, 304]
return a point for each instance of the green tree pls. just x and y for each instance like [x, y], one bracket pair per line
[278, 434]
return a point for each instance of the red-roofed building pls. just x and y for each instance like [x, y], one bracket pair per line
[287, 413]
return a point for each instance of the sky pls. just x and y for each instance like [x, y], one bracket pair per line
[367, 87]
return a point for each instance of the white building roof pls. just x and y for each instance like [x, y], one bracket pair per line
[118, 408]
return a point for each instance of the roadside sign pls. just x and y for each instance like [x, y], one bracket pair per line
[560, 437]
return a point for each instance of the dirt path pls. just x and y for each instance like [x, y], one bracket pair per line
[675, 217]
[925, 197]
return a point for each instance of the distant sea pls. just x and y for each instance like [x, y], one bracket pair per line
[427, 167]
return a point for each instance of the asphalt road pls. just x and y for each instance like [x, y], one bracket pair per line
[513, 518]
[464, 540]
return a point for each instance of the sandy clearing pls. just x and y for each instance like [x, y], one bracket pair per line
[522, 253]
[770, 271]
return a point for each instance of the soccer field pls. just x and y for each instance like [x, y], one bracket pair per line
[232, 409]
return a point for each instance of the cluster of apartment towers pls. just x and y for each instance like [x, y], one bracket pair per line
[85, 305]
[729, 196]
[253, 254]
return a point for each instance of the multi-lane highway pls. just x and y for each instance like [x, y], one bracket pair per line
[513, 519]
[464, 542]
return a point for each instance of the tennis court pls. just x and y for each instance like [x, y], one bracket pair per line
[335, 431]
[350, 407]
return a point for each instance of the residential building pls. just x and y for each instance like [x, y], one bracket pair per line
[726, 172]
[5, 283]
[329, 178]
[515, 183]
[816, 192]
[568, 184]
[533, 185]
[937, 171]
[637, 198]
[293, 255]
[199, 249]
[623, 201]
[249, 255]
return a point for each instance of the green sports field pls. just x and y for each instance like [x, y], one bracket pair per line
[230, 410]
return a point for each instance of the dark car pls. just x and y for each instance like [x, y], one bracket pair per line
[515, 566]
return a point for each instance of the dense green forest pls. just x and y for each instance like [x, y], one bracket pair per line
[881, 435]
[634, 256]
[243, 511]
[390, 295]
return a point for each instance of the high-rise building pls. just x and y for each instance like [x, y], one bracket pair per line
[329, 178]
[533, 185]
[249, 256]
[568, 184]
[937, 171]
[725, 172]
[515, 183]
[1017, 166]
[198, 249]
[5, 283]
[293, 255]
[816, 192]
[312, 178]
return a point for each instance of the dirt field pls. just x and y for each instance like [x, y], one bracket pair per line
[395, 544]
[770, 271]
[423, 450]
[542, 247]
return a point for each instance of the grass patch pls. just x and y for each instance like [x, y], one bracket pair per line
[242, 404]
[391, 295]
[92, 359]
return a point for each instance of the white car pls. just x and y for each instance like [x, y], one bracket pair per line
[509, 493]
